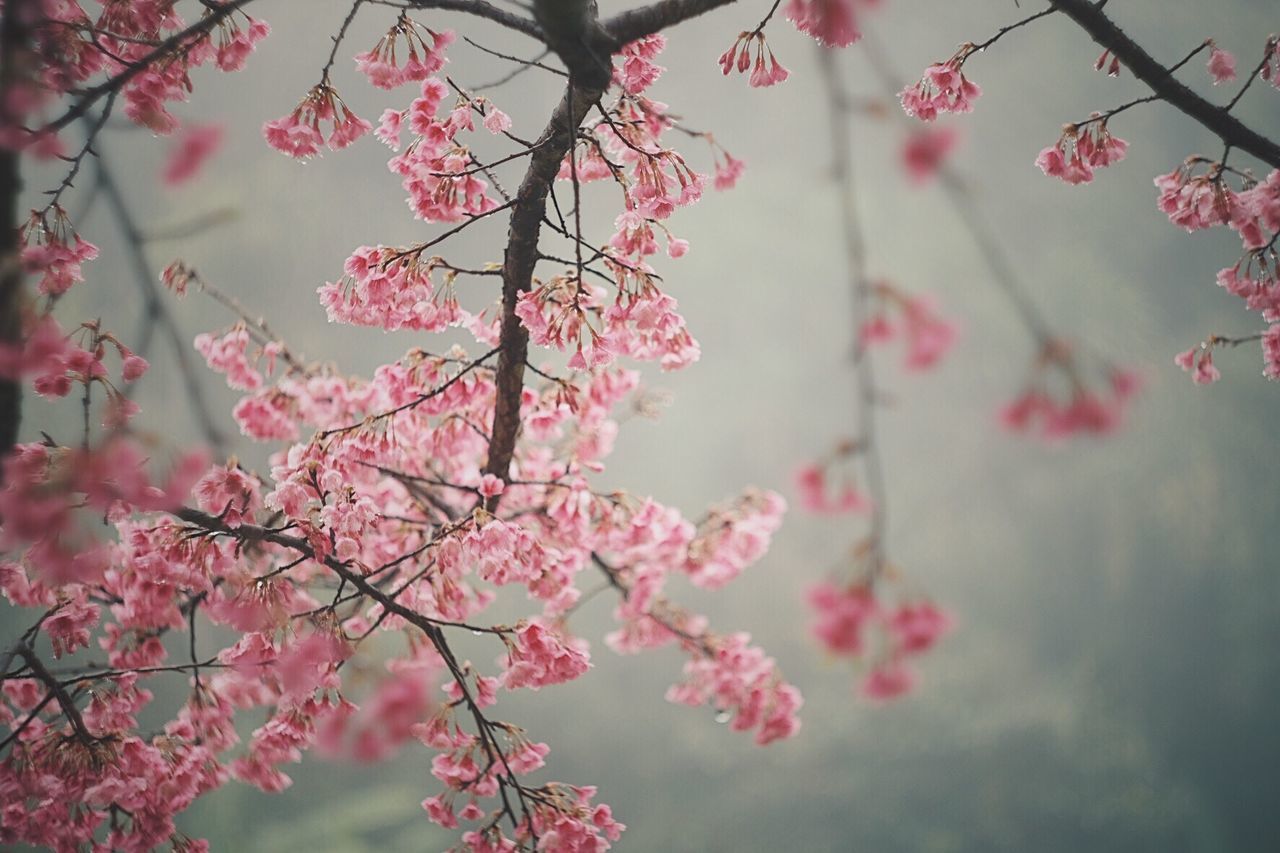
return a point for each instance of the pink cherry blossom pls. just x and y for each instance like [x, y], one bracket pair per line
[1222, 66]
[924, 151]
[942, 89]
[196, 144]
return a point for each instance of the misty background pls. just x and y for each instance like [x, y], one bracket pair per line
[1113, 679]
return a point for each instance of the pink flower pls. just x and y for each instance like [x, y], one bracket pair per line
[194, 147]
[491, 486]
[924, 151]
[1202, 370]
[765, 70]
[815, 495]
[728, 172]
[1080, 151]
[831, 22]
[538, 657]
[942, 89]
[638, 70]
[379, 64]
[842, 614]
[888, 681]
[1222, 66]
[298, 134]
[1271, 352]
[916, 627]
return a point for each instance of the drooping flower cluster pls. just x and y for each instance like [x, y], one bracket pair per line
[193, 148]
[850, 621]
[390, 289]
[926, 335]
[764, 71]
[832, 22]
[1080, 150]
[381, 64]
[298, 134]
[564, 312]
[52, 249]
[1197, 195]
[740, 680]
[942, 89]
[638, 70]
[1059, 402]
[925, 150]
[813, 485]
[1221, 65]
[70, 49]
[1198, 361]
[437, 171]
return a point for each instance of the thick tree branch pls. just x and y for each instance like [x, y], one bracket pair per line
[577, 37]
[517, 269]
[1229, 129]
[647, 20]
[480, 9]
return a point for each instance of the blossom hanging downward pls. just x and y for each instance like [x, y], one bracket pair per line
[1080, 150]
[738, 56]
[815, 491]
[1059, 401]
[1221, 65]
[928, 336]
[379, 64]
[831, 22]
[942, 89]
[638, 70]
[925, 150]
[298, 134]
[1202, 369]
[193, 148]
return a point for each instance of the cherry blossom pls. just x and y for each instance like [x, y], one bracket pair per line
[942, 89]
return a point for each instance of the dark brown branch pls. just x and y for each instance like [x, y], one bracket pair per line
[647, 20]
[1217, 119]
[517, 271]
[480, 9]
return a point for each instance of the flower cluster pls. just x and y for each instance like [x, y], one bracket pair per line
[832, 22]
[764, 72]
[815, 491]
[638, 70]
[1196, 195]
[436, 171]
[1221, 65]
[1081, 149]
[925, 150]
[194, 147]
[73, 50]
[380, 64]
[926, 335]
[52, 249]
[850, 621]
[1058, 402]
[298, 134]
[942, 89]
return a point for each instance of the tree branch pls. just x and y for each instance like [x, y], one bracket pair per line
[1228, 128]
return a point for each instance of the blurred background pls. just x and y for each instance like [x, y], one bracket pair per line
[1113, 679]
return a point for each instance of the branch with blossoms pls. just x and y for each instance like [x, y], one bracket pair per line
[386, 520]
[1201, 193]
[1063, 395]
[853, 616]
